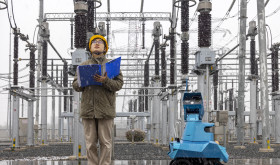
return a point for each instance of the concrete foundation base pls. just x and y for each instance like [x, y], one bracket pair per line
[165, 148]
[232, 142]
[59, 143]
[29, 146]
[239, 147]
[15, 149]
[75, 158]
[266, 150]
[156, 144]
[275, 144]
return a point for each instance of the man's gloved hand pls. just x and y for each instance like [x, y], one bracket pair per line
[99, 78]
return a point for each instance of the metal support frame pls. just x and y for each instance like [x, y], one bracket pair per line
[53, 115]
[263, 72]
[207, 95]
[15, 125]
[60, 119]
[61, 106]
[276, 99]
[241, 76]
[149, 120]
[44, 113]
[253, 110]
[173, 107]
[113, 16]
[17, 93]
[156, 112]
[38, 69]
[30, 128]
[164, 122]
[172, 115]
[221, 97]
[78, 127]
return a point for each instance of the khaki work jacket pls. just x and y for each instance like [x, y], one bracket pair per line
[99, 101]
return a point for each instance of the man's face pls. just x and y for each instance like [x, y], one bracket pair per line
[97, 46]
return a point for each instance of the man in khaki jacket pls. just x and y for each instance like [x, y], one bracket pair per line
[98, 106]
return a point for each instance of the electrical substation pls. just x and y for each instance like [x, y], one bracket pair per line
[201, 81]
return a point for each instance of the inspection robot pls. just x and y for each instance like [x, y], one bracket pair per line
[197, 146]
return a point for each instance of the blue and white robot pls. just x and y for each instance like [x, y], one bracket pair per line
[197, 145]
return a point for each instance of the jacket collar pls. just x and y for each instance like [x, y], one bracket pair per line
[99, 60]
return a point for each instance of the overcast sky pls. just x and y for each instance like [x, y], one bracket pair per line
[26, 14]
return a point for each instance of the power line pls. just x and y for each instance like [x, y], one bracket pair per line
[9, 18]
[257, 14]
[13, 13]
[225, 17]
[3, 79]
[193, 18]
[251, 20]
[275, 11]
[4, 86]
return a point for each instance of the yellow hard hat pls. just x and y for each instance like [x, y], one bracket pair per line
[100, 37]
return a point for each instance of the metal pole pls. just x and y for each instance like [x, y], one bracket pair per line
[173, 76]
[149, 121]
[164, 122]
[22, 107]
[215, 85]
[263, 70]
[241, 76]
[76, 123]
[15, 129]
[156, 112]
[53, 114]
[171, 116]
[253, 110]
[200, 86]
[206, 114]
[71, 120]
[277, 120]
[225, 138]
[60, 119]
[53, 107]
[66, 98]
[156, 83]
[44, 92]
[30, 135]
[220, 107]
[9, 112]
[44, 113]
[39, 47]
[181, 109]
